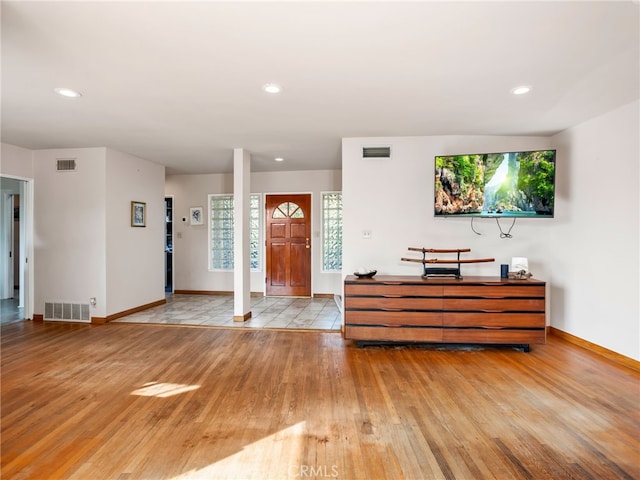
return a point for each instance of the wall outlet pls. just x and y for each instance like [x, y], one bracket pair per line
[366, 234]
[93, 302]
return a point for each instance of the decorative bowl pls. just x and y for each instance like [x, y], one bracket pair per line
[368, 274]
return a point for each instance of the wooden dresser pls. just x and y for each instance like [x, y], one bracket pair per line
[488, 310]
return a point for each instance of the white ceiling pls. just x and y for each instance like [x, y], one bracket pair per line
[179, 83]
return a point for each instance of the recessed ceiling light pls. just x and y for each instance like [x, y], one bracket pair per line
[279, 159]
[521, 90]
[272, 88]
[67, 92]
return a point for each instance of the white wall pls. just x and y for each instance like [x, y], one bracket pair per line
[594, 240]
[69, 229]
[190, 242]
[393, 198]
[16, 161]
[134, 255]
[84, 244]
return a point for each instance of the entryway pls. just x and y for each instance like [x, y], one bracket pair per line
[168, 244]
[288, 245]
[288, 313]
[15, 197]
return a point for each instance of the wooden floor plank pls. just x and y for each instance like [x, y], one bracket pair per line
[124, 401]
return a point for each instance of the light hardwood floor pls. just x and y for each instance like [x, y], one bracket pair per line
[122, 401]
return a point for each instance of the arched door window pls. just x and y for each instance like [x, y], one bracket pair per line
[288, 209]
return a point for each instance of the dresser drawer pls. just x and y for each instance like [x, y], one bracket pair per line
[393, 289]
[475, 319]
[367, 317]
[494, 291]
[469, 335]
[392, 303]
[393, 334]
[494, 305]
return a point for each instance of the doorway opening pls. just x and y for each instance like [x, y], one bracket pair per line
[288, 245]
[14, 244]
[168, 245]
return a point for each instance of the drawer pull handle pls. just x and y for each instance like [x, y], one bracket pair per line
[392, 309]
[496, 297]
[392, 296]
[492, 311]
[392, 283]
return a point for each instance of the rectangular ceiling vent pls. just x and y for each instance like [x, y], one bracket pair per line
[66, 164]
[376, 152]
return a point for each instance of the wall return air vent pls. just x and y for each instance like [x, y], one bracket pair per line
[376, 152]
[78, 312]
[66, 164]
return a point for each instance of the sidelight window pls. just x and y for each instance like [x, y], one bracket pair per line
[221, 232]
[254, 233]
[332, 231]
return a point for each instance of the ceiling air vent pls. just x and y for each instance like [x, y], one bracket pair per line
[376, 152]
[66, 164]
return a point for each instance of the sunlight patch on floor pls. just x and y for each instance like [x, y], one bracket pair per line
[283, 447]
[163, 390]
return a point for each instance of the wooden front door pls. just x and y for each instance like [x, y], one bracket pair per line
[288, 228]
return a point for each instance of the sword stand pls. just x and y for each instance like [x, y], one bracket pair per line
[443, 271]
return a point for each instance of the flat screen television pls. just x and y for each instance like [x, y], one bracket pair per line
[506, 184]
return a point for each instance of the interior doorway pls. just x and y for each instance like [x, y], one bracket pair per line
[168, 245]
[288, 245]
[15, 245]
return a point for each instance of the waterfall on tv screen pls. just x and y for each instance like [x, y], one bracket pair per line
[501, 192]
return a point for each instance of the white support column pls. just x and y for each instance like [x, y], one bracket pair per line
[241, 257]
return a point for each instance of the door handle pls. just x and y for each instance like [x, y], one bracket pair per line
[307, 245]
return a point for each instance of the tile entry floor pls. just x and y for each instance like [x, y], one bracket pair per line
[10, 311]
[266, 312]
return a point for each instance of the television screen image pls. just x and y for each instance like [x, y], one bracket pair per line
[508, 184]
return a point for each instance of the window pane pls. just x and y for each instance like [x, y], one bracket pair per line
[295, 211]
[254, 233]
[221, 208]
[222, 232]
[288, 209]
[332, 231]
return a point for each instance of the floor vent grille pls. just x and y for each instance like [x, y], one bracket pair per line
[76, 312]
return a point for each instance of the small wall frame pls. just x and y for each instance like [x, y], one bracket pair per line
[196, 216]
[138, 214]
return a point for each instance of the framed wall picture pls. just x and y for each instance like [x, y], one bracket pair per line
[196, 215]
[138, 214]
